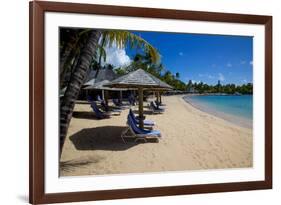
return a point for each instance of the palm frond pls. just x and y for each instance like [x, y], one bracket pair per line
[101, 53]
[123, 38]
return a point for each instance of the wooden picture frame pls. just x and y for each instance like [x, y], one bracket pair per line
[37, 193]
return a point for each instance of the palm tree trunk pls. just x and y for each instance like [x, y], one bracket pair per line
[66, 62]
[76, 82]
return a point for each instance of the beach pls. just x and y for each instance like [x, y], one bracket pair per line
[191, 140]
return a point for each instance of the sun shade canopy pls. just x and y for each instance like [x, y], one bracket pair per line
[100, 86]
[139, 78]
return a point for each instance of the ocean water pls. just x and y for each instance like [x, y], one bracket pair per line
[231, 107]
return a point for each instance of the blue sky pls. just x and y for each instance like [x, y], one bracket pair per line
[205, 58]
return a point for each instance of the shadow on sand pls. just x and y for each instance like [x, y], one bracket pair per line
[101, 138]
[145, 112]
[90, 115]
[85, 115]
[70, 165]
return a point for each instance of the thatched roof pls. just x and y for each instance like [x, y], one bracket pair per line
[100, 86]
[138, 78]
[104, 74]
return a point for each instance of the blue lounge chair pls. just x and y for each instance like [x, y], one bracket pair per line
[99, 98]
[138, 133]
[149, 123]
[90, 98]
[107, 109]
[159, 103]
[115, 102]
[118, 104]
[156, 109]
[99, 114]
[132, 100]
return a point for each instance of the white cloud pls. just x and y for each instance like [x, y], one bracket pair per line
[229, 65]
[116, 57]
[244, 81]
[181, 53]
[221, 77]
[251, 62]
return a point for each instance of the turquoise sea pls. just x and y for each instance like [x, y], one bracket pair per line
[231, 107]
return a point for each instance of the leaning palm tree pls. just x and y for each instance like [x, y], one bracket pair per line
[87, 54]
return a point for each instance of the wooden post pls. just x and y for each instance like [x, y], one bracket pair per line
[160, 98]
[87, 94]
[141, 117]
[102, 94]
[120, 96]
[106, 97]
[157, 99]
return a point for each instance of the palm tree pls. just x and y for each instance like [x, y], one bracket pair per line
[75, 83]
[177, 75]
[87, 54]
[145, 62]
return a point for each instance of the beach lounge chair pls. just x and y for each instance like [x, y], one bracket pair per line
[90, 98]
[159, 104]
[118, 104]
[132, 100]
[99, 114]
[107, 109]
[138, 133]
[148, 123]
[99, 98]
[156, 109]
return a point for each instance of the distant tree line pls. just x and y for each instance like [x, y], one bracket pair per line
[219, 88]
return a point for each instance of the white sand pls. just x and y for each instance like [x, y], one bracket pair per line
[192, 140]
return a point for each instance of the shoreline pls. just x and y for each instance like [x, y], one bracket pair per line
[206, 94]
[237, 120]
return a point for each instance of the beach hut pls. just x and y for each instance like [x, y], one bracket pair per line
[140, 80]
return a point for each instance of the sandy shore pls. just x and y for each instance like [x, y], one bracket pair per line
[192, 140]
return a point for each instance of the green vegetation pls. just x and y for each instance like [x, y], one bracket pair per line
[228, 88]
[157, 69]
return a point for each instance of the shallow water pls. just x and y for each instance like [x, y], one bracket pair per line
[237, 109]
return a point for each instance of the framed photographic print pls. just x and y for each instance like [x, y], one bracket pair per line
[138, 102]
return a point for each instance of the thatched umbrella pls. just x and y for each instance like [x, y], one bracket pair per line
[141, 80]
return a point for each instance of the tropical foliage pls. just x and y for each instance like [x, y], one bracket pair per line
[145, 61]
[219, 88]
